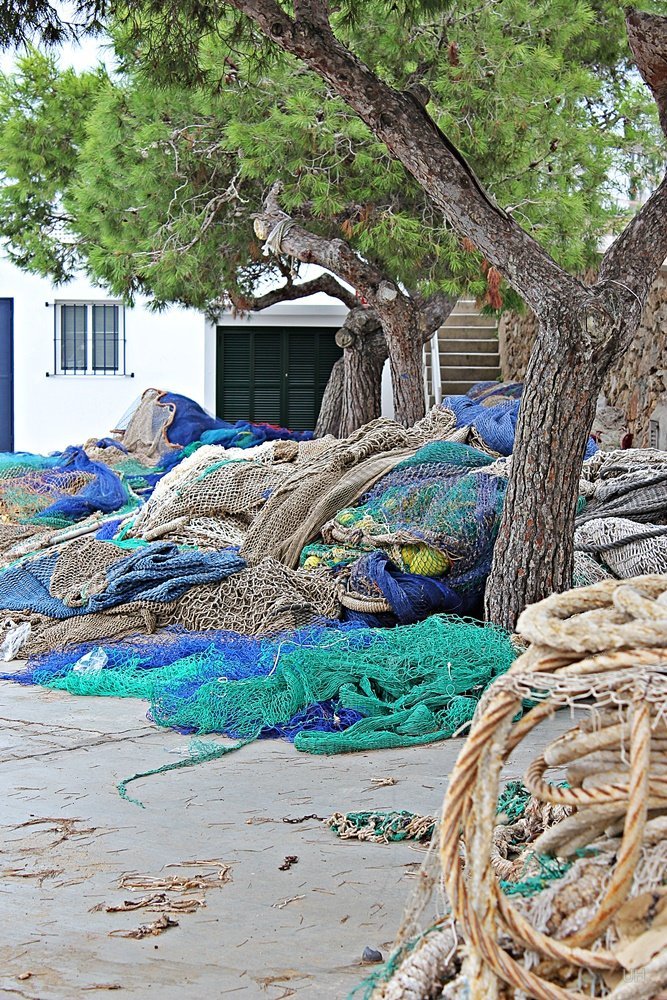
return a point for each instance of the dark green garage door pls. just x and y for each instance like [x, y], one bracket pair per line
[274, 375]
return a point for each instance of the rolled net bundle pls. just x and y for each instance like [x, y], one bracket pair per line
[639, 494]
[597, 928]
[627, 548]
[606, 465]
[430, 518]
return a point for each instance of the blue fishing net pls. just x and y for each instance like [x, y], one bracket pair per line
[330, 688]
[156, 572]
[492, 410]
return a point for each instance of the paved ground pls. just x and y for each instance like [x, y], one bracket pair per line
[266, 933]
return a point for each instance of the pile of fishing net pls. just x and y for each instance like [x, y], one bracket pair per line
[56, 490]
[488, 413]
[622, 532]
[114, 475]
[570, 900]
[434, 517]
[330, 690]
[160, 424]
[386, 526]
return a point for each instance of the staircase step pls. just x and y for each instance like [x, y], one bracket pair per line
[485, 345]
[469, 359]
[470, 319]
[466, 306]
[464, 373]
[457, 388]
[467, 333]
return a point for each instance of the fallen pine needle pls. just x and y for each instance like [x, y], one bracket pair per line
[291, 899]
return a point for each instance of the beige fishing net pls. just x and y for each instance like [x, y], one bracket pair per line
[144, 434]
[259, 600]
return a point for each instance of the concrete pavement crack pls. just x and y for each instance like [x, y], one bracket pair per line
[80, 746]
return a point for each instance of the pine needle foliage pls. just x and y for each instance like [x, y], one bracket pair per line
[149, 178]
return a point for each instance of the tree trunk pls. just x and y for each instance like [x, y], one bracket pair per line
[400, 324]
[353, 396]
[362, 391]
[534, 552]
[328, 420]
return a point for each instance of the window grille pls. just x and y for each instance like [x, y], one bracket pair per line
[88, 338]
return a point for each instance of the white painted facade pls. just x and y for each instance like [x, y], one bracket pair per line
[165, 350]
[173, 350]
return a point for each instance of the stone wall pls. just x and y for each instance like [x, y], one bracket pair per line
[636, 382]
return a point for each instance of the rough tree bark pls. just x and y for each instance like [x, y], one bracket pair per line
[365, 352]
[395, 310]
[581, 333]
[354, 394]
[582, 330]
[328, 420]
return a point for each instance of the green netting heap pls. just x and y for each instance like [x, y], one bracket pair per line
[397, 687]
[413, 685]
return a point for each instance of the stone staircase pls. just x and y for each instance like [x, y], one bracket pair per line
[466, 348]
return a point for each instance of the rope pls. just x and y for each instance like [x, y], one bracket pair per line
[604, 648]
[273, 243]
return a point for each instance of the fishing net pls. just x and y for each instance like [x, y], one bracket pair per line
[58, 490]
[307, 498]
[59, 585]
[262, 599]
[161, 423]
[489, 411]
[640, 494]
[588, 570]
[380, 688]
[628, 548]
[429, 521]
[114, 474]
[210, 495]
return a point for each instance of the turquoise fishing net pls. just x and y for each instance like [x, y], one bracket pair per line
[383, 687]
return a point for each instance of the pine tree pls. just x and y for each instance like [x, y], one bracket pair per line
[154, 189]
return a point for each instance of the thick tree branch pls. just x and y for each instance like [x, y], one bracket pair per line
[334, 255]
[315, 12]
[411, 135]
[289, 293]
[433, 312]
[633, 259]
[647, 35]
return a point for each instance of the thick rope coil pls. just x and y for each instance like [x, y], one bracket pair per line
[603, 648]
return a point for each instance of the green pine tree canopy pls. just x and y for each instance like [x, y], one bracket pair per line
[151, 186]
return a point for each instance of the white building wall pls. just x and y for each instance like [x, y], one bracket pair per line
[164, 350]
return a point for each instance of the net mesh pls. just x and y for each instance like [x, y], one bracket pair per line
[334, 688]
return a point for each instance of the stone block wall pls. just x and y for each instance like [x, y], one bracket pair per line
[636, 383]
